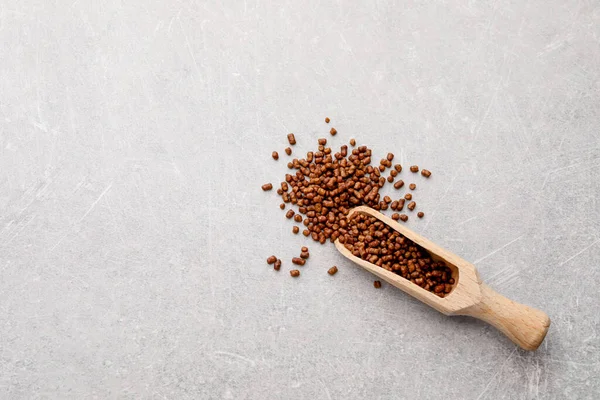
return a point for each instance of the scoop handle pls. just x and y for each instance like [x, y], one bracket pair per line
[524, 325]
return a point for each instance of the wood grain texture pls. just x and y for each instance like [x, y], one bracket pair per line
[524, 325]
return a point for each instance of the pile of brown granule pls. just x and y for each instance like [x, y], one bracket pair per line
[325, 184]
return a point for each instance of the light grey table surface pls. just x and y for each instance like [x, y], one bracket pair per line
[135, 136]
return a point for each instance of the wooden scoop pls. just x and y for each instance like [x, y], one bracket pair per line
[524, 325]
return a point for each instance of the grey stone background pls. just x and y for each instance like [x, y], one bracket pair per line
[135, 136]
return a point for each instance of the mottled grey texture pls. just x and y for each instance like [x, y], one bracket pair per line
[135, 136]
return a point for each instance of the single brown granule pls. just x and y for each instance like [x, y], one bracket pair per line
[395, 216]
[327, 120]
[298, 261]
[387, 199]
[306, 232]
[295, 230]
[393, 173]
[411, 206]
[332, 270]
[404, 217]
[352, 142]
[420, 214]
[322, 142]
[414, 168]
[298, 218]
[390, 156]
[390, 179]
[399, 184]
[275, 155]
[426, 173]
[408, 196]
[398, 168]
[304, 249]
[271, 260]
[377, 284]
[288, 151]
[394, 205]
[333, 131]
[400, 205]
[295, 273]
[277, 265]
[291, 138]
[267, 186]
[412, 186]
[282, 206]
[289, 214]
[343, 152]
